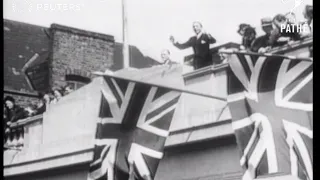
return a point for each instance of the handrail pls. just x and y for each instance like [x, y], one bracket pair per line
[15, 138]
[277, 50]
[25, 121]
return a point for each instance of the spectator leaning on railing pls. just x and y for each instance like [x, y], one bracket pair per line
[248, 34]
[30, 110]
[67, 90]
[15, 112]
[280, 37]
[261, 44]
[57, 92]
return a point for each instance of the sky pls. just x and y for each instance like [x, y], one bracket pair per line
[151, 22]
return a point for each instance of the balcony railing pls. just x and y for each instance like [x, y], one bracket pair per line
[20, 131]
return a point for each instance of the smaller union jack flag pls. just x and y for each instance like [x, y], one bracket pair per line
[134, 125]
[270, 100]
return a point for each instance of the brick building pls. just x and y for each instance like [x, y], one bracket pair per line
[61, 55]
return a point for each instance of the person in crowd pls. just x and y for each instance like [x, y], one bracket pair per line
[57, 92]
[280, 37]
[30, 110]
[308, 15]
[242, 28]
[67, 90]
[165, 56]
[47, 98]
[5, 120]
[261, 43]
[200, 44]
[248, 34]
[15, 112]
[41, 105]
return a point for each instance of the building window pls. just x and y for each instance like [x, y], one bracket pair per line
[76, 81]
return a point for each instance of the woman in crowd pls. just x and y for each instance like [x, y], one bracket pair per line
[15, 112]
[30, 110]
[41, 106]
[57, 95]
[67, 90]
[248, 34]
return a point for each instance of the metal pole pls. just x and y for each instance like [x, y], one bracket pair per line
[125, 50]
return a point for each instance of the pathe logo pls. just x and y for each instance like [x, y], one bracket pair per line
[21, 6]
[291, 24]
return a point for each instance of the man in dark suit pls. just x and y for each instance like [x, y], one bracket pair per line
[261, 43]
[200, 44]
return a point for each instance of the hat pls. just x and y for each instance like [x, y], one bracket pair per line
[242, 27]
[266, 21]
[279, 18]
[9, 98]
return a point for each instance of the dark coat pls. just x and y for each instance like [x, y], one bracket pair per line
[276, 34]
[41, 109]
[16, 113]
[201, 49]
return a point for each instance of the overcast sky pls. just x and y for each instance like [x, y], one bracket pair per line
[151, 22]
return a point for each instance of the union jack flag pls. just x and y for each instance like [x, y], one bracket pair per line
[134, 125]
[270, 100]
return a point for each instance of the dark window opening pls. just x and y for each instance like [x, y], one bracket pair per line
[76, 81]
[77, 78]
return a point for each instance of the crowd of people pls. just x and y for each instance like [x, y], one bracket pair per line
[275, 35]
[13, 112]
[280, 30]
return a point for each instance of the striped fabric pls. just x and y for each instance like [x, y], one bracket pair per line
[135, 121]
[270, 100]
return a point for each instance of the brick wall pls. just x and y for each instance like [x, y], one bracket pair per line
[78, 52]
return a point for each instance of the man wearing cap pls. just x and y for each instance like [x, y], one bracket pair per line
[200, 44]
[261, 44]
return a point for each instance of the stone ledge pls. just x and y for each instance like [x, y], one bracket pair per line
[82, 32]
[28, 120]
[84, 154]
[205, 71]
[49, 163]
[209, 131]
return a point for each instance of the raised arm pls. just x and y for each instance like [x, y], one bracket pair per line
[181, 45]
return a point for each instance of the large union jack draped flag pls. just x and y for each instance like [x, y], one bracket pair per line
[270, 100]
[135, 121]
